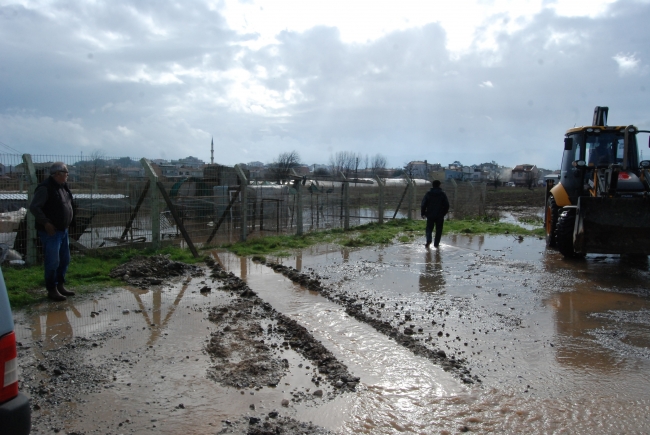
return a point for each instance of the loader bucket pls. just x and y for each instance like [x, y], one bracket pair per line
[613, 226]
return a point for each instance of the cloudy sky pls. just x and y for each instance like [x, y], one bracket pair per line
[467, 80]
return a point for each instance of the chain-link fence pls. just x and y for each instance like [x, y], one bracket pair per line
[121, 202]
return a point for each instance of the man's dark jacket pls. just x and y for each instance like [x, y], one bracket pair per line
[52, 203]
[435, 204]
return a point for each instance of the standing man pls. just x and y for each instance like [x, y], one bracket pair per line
[434, 207]
[52, 208]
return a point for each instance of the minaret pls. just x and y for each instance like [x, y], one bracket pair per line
[212, 151]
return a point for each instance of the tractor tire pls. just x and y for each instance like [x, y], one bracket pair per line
[564, 234]
[550, 218]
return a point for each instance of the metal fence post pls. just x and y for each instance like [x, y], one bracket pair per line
[299, 223]
[483, 198]
[409, 201]
[453, 183]
[380, 184]
[472, 198]
[30, 221]
[154, 198]
[346, 202]
[299, 205]
[412, 200]
[244, 203]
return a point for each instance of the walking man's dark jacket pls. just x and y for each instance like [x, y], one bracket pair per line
[52, 203]
[435, 204]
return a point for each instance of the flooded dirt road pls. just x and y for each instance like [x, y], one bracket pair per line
[532, 344]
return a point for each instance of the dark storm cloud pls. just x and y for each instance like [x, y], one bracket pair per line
[160, 78]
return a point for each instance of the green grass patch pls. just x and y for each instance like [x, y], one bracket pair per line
[396, 230]
[480, 226]
[364, 235]
[531, 220]
[26, 285]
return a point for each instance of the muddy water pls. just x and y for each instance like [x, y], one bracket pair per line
[394, 381]
[560, 347]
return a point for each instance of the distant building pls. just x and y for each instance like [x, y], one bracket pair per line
[453, 174]
[301, 170]
[133, 172]
[190, 161]
[525, 175]
[168, 170]
[552, 175]
[421, 169]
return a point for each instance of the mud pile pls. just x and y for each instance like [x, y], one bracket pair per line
[146, 271]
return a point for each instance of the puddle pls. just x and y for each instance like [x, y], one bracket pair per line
[511, 217]
[560, 347]
[541, 331]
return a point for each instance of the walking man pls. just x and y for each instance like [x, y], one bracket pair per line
[434, 207]
[52, 208]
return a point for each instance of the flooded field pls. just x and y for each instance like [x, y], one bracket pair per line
[533, 344]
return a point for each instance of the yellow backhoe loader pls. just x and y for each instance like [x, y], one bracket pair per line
[601, 202]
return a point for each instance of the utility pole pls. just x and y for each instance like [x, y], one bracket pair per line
[212, 151]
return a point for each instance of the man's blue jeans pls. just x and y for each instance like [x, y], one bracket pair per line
[56, 252]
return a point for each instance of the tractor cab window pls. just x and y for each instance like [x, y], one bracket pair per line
[578, 153]
[604, 149]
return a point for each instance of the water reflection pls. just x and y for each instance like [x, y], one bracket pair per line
[600, 294]
[432, 278]
[55, 325]
[57, 330]
[467, 241]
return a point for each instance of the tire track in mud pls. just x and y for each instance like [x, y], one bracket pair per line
[354, 308]
[243, 351]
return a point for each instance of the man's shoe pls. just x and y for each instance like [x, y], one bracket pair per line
[62, 290]
[435, 246]
[426, 245]
[54, 295]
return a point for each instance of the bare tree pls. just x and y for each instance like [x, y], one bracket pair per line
[280, 169]
[378, 164]
[497, 179]
[91, 169]
[344, 161]
[530, 180]
[409, 170]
